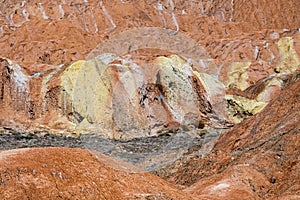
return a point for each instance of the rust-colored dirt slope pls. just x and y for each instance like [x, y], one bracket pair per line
[257, 159]
[40, 32]
[62, 173]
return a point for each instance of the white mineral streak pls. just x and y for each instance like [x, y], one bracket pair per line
[256, 52]
[220, 186]
[108, 17]
[19, 78]
[42, 11]
[22, 4]
[173, 17]
[232, 11]
[94, 22]
[61, 11]
[25, 15]
[161, 16]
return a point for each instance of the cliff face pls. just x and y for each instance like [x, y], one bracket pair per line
[128, 69]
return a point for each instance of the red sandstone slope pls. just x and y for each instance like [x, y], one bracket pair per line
[257, 159]
[62, 173]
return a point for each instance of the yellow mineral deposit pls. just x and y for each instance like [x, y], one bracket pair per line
[238, 78]
[289, 59]
[85, 83]
[238, 75]
[242, 107]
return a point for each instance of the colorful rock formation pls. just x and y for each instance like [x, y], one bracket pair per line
[118, 98]
[128, 96]
[54, 53]
[135, 69]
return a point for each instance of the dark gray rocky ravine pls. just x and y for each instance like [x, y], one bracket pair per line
[149, 153]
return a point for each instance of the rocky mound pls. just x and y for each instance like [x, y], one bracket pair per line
[257, 159]
[62, 173]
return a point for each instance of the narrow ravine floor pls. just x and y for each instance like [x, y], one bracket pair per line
[149, 153]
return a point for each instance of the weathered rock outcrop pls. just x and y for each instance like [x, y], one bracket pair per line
[51, 54]
[62, 173]
[116, 97]
[257, 159]
[138, 100]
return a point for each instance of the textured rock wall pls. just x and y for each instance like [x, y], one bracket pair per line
[134, 101]
[35, 32]
[233, 57]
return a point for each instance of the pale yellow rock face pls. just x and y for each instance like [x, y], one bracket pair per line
[174, 77]
[289, 63]
[85, 88]
[120, 99]
[215, 93]
[289, 58]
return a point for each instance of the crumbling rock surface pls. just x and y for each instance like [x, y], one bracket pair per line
[42, 32]
[228, 45]
[62, 173]
[136, 95]
[115, 97]
[257, 159]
